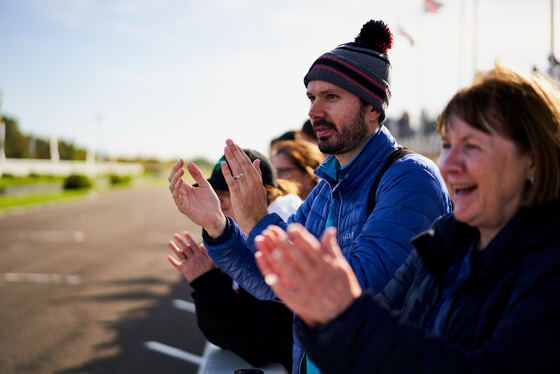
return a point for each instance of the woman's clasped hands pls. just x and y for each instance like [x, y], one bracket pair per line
[312, 278]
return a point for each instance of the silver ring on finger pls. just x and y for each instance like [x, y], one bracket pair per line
[240, 175]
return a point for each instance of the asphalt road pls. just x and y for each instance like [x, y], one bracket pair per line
[85, 284]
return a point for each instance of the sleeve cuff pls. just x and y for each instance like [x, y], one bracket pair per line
[226, 235]
[302, 326]
[271, 219]
[208, 277]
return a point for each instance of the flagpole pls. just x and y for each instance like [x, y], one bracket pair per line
[552, 28]
[419, 71]
[475, 33]
[461, 43]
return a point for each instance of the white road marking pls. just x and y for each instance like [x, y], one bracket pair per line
[179, 353]
[184, 305]
[174, 352]
[72, 279]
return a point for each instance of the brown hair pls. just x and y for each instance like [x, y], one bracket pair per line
[520, 107]
[285, 187]
[305, 155]
[288, 135]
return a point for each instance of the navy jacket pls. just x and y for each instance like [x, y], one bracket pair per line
[410, 196]
[503, 319]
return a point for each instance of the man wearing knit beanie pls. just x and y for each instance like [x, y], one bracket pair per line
[356, 70]
[377, 201]
[361, 67]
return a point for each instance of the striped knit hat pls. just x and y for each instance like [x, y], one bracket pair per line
[361, 67]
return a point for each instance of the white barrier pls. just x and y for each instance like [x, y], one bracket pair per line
[24, 167]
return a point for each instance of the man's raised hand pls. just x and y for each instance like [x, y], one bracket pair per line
[244, 180]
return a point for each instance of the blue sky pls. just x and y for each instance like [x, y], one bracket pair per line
[170, 78]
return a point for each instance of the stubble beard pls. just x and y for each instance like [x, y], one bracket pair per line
[345, 139]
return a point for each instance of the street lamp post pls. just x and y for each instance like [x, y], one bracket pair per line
[2, 142]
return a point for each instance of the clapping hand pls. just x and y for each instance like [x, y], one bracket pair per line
[312, 278]
[200, 204]
[244, 180]
[192, 259]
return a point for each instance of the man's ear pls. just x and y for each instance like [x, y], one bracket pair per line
[372, 115]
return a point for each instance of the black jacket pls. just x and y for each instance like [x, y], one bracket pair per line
[258, 331]
[504, 318]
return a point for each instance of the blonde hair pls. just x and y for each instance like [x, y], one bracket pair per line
[524, 108]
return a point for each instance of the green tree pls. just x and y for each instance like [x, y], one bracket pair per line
[65, 150]
[80, 154]
[17, 143]
[203, 163]
[68, 151]
[42, 149]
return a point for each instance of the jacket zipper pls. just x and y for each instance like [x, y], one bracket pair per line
[301, 362]
[339, 211]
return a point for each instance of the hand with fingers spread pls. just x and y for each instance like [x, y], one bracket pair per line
[244, 180]
[312, 278]
[200, 204]
[193, 260]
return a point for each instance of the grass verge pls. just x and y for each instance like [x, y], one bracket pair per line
[149, 180]
[35, 198]
[19, 181]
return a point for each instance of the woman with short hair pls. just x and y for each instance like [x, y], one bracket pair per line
[480, 292]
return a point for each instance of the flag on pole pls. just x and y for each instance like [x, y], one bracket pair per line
[432, 6]
[402, 32]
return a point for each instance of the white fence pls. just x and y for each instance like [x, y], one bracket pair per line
[24, 167]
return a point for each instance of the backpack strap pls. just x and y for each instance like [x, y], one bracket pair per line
[395, 154]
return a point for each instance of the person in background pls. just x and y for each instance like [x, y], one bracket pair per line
[258, 331]
[296, 161]
[307, 133]
[288, 135]
[480, 292]
[349, 90]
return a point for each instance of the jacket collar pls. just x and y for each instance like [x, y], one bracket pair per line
[439, 246]
[529, 230]
[375, 150]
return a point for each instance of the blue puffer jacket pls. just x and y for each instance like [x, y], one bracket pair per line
[410, 196]
[502, 319]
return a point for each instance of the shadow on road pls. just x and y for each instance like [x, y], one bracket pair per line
[161, 322]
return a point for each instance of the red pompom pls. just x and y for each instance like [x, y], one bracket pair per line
[376, 35]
